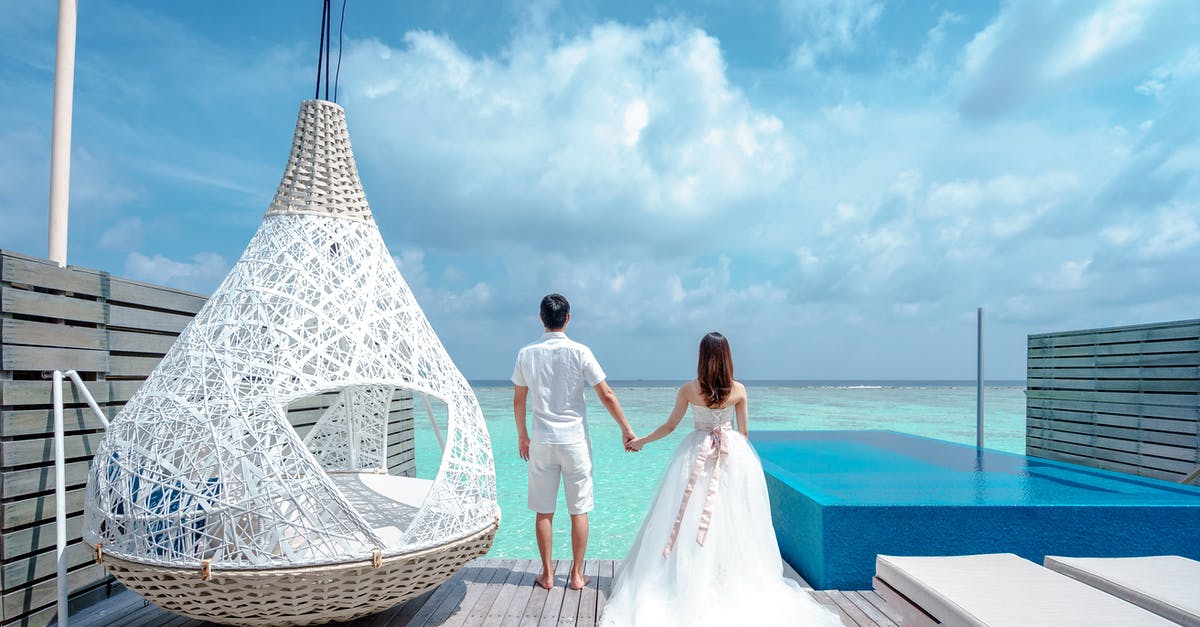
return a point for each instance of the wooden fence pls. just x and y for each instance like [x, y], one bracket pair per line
[1122, 398]
[113, 332]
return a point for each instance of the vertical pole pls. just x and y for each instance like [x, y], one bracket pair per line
[979, 383]
[60, 143]
[349, 411]
[60, 497]
[433, 421]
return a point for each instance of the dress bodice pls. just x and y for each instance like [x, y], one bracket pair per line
[707, 418]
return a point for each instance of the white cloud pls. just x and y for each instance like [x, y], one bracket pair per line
[825, 28]
[817, 215]
[411, 263]
[675, 289]
[452, 273]
[1038, 48]
[201, 274]
[1108, 28]
[1176, 231]
[928, 60]
[23, 191]
[1120, 234]
[635, 119]
[616, 132]
[122, 236]
[467, 301]
[1071, 275]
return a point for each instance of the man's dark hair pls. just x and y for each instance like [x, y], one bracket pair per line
[554, 311]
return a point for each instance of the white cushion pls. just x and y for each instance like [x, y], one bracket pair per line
[1004, 589]
[388, 503]
[1168, 585]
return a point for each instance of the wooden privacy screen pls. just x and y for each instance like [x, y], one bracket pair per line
[112, 331]
[1122, 398]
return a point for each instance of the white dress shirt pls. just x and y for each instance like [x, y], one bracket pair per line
[555, 370]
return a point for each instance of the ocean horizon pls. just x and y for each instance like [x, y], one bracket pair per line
[797, 383]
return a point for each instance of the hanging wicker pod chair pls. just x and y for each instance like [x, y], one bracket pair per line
[205, 500]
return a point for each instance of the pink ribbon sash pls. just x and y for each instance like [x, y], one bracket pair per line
[712, 449]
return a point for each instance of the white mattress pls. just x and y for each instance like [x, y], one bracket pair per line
[387, 502]
[1003, 589]
[1168, 585]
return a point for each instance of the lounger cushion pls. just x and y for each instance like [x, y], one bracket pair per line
[1168, 585]
[388, 503]
[1004, 589]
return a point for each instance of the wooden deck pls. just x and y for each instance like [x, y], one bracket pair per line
[488, 592]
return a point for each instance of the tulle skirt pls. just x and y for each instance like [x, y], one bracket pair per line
[735, 579]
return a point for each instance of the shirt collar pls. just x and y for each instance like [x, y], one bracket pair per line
[553, 334]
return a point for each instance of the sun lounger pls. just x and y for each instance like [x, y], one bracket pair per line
[997, 590]
[1168, 585]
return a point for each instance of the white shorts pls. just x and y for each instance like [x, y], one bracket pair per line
[573, 463]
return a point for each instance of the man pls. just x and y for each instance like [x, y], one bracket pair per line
[551, 374]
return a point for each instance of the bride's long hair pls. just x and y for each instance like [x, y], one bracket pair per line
[714, 371]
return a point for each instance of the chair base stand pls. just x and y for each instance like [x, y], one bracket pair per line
[299, 596]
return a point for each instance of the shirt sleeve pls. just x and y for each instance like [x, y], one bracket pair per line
[592, 373]
[518, 375]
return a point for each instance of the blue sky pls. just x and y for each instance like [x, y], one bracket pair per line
[836, 185]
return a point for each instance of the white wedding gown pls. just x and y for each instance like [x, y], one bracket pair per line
[736, 576]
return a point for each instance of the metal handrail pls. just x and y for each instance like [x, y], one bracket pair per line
[433, 422]
[60, 477]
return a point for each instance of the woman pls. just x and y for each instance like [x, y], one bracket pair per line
[706, 554]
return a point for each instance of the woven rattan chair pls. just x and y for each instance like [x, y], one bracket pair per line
[202, 496]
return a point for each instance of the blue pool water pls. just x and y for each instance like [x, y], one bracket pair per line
[839, 498]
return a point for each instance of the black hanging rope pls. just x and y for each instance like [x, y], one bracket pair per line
[321, 50]
[338, 74]
[328, 50]
[325, 50]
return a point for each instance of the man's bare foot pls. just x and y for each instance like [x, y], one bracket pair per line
[577, 582]
[545, 581]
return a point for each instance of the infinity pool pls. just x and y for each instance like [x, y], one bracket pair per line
[838, 498]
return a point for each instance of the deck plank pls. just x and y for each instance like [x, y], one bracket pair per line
[508, 591]
[586, 615]
[537, 600]
[480, 592]
[826, 598]
[442, 594]
[554, 598]
[109, 610]
[822, 597]
[503, 570]
[150, 615]
[876, 616]
[490, 592]
[608, 570]
[569, 613]
[526, 588]
[403, 613]
[882, 605]
[849, 610]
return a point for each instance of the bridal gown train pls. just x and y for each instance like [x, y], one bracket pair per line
[736, 576]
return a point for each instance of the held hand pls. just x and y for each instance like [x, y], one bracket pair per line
[635, 445]
[523, 447]
[626, 438]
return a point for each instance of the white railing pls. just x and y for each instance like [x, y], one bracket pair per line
[60, 478]
[433, 422]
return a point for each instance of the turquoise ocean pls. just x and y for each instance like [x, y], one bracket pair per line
[625, 482]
